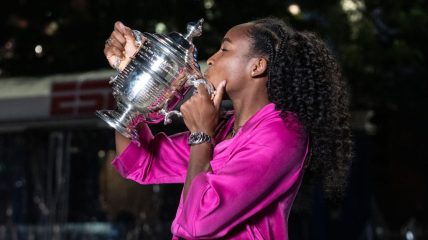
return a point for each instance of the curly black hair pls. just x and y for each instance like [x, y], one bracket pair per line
[305, 79]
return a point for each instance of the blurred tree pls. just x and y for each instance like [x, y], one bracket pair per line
[384, 56]
[380, 44]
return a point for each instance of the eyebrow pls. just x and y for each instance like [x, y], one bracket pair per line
[226, 39]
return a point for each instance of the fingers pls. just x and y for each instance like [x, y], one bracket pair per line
[202, 89]
[110, 52]
[114, 56]
[114, 48]
[130, 47]
[118, 38]
[219, 94]
[203, 92]
[122, 29]
[113, 43]
[120, 46]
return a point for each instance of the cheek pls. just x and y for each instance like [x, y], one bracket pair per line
[232, 70]
[217, 74]
[227, 70]
[236, 72]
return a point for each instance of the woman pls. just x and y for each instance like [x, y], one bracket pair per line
[242, 174]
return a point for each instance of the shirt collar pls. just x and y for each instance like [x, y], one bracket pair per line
[262, 114]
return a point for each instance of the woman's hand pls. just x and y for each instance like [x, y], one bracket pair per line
[200, 112]
[120, 46]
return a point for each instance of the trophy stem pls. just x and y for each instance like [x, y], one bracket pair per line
[120, 120]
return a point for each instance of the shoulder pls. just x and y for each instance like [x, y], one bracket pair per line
[275, 140]
[276, 130]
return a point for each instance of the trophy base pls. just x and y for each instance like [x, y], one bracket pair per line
[110, 117]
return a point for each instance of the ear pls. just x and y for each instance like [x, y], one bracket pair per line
[259, 67]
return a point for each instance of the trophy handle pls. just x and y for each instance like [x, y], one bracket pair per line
[193, 81]
[168, 115]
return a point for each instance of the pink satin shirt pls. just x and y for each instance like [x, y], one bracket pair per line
[249, 192]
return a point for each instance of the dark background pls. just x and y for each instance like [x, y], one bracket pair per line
[381, 46]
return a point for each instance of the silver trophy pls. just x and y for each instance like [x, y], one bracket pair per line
[155, 81]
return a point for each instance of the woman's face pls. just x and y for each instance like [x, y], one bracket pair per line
[231, 61]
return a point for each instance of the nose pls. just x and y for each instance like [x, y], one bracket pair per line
[211, 60]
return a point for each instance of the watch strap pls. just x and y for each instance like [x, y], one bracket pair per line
[198, 138]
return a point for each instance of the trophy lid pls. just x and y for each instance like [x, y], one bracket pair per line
[181, 42]
[194, 29]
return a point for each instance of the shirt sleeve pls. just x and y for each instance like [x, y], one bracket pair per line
[254, 177]
[157, 159]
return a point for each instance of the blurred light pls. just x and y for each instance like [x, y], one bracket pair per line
[18, 21]
[349, 5]
[96, 228]
[156, 188]
[9, 211]
[160, 27]
[208, 4]
[51, 28]
[143, 215]
[41, 205]
[56, 228]
[410, 235]
[294, 9]
[379, 231]
[209, 14]
[19, 184]
[8, 45]
[101, 153]
[146, 227]
[39, 50]
[72, 148]
[207, 27]
[353, 8]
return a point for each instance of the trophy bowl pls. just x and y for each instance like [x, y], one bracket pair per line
[156, 79]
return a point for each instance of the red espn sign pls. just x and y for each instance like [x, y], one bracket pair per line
[80, 98]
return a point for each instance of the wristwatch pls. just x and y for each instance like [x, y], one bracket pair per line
[198, 138]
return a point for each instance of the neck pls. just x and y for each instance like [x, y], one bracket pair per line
[246, 106]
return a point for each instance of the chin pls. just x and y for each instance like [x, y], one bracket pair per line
[213, 83]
